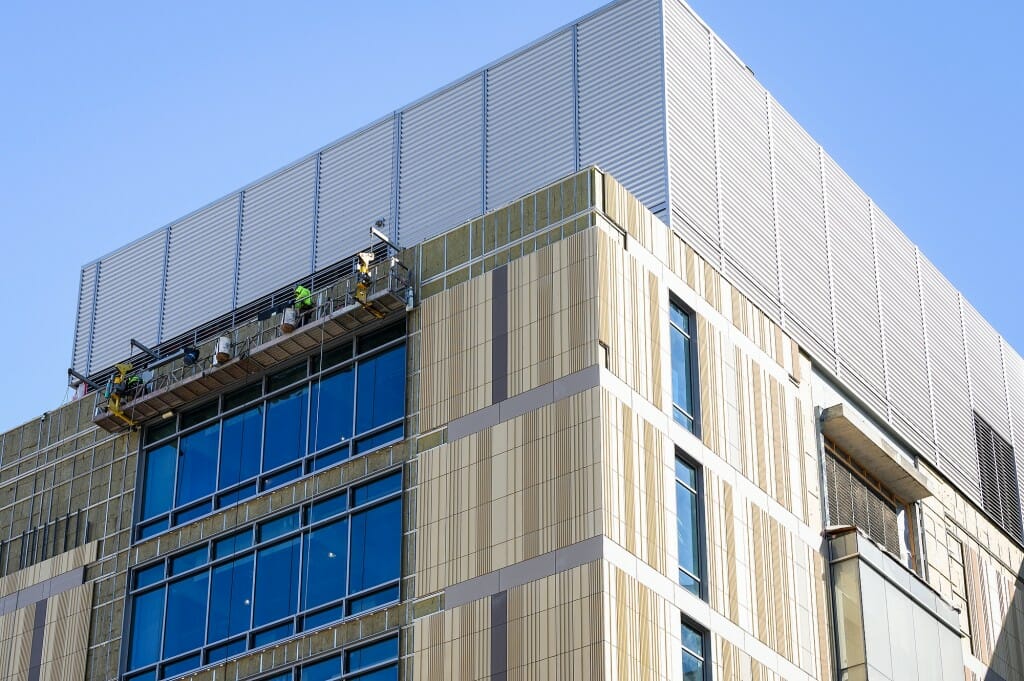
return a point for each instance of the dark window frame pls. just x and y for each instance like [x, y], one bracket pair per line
[689, 421]
[704, 655]
[700, 520]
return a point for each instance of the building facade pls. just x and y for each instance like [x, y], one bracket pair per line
[638, 385]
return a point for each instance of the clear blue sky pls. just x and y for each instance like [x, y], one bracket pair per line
[118, 117]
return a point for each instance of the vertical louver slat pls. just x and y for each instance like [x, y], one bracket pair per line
[83, 321]
[804, 271]
[277, 231]
[857, 318]
[200, 267]
[128, 300]
[441, 162]
[355, 190]
[530, 120]
[748, 230]
[852, 502]
[621, 98]
[691, 131]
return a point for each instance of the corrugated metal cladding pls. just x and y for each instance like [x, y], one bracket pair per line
[83, 322]
[1015, 395]
[128, 300]
[530, 119]
[904, 333]
[954, 422]
[440, 176]
[200, 267]
[355, 190]
[804, 279]
[691, 130]
[986, 371]
[748, 228]
[621, 98]
[277, 231]
[858, 330]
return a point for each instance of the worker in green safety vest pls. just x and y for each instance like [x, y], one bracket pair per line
[303, 299]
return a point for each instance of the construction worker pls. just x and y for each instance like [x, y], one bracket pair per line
[303, 299]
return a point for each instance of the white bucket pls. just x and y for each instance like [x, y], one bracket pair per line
[288, 320]
[223, 351]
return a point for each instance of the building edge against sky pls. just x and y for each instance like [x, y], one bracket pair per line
[786, 288]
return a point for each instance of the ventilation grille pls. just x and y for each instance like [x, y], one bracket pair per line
[852, 501]
[1000, 496]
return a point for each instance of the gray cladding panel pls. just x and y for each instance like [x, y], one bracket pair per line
[128, 300]
[621, 98]
[355, 190]
[441, 174]
[748, 229]
[986, 370]
[804, 279]
[856, 299]
[691, 129]
[277, 231]
[83, 322]
[200, 267]
[952, 404]
[1015, 397]
[904, 333]
[530, 118]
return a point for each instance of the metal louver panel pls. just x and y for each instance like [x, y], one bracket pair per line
[691, 129]
[853, 265]
[801, 218]
[128, 300]
[904, 334]
[852, 502]
[200, 267]
[621, 98]
[997, 466]
[83, 322]
[986, 368]
[748, 229]
[530, 114]
[951, 403]
[355, 190]
[277, 231]
[441, 161]
[1015, 396]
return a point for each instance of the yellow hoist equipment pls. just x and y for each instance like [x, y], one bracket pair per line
[118, 386]
[364, 281]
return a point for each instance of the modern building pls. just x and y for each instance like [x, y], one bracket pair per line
[638, 385]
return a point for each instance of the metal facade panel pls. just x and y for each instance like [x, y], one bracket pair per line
[277, 231]
[905, 353]
[530, 119]
[441, 164]
[128, 300]
[83, 321]
[691, 129]
[355, 190]
[621, 98]
[858, 327]
[954, 423]
[804, 280]
[986, 369]
[1015, 396]
[200, 267]
[748, 226]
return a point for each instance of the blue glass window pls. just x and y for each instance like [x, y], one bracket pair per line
[185, 598]
[688, 536]
[241, 446]
[230, 599]
[277, 582]
[286, 428]
[331, 422]
[381, 389]
[326, 554]
[683, 374]
[197, 464]
[159, 487]
[146, 628]
[693, 654]
[325, 670]
[376, 556]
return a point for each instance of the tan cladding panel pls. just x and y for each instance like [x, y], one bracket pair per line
[517, 490]
[57, 644]
[454, 644]
[765, 579]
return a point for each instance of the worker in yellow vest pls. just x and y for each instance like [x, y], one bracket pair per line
[303, 299]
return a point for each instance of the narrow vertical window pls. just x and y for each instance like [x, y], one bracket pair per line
[688, 535]
[684, 402]
[693, 654]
